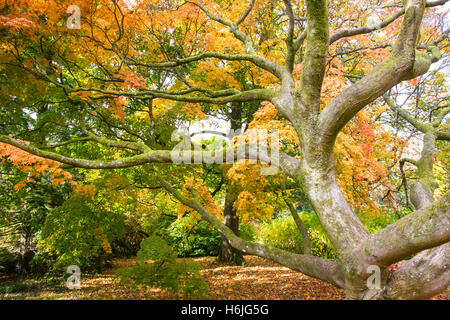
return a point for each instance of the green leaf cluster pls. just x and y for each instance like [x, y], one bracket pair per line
[158, 266]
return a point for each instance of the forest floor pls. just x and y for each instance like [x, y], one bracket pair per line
[257, 279]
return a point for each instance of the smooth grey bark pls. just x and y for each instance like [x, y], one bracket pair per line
[423, 229]
[420, 195]
[421, 277]
[422, 191]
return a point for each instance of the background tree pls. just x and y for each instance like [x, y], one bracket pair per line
[24, 207]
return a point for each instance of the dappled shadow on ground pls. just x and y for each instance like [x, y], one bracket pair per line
[257, 279]
[263, 279]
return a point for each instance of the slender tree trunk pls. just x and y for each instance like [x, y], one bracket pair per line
[227, 253]
[422, 191]
[26, 253]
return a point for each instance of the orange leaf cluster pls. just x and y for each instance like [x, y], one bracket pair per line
[33, 165]
[194, 188]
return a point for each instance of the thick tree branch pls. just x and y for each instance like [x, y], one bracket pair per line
[443, 135]
[441, 116]
[402, 64]
[250, 95]
[421, 277]
[270, 156]
[316, 54]
[148, 157]
[423, 229]
[252, 57]
[210, 96]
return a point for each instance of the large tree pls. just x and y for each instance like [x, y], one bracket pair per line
[127, 57]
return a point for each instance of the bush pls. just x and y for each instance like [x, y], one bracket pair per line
[158, 266]
[376, 221]
[18, 287]
[79, 233]
[157, 223]
[248, 231]
[128, 245]
[281, 233]
[321, 246]
[42, 263]
[192, 241]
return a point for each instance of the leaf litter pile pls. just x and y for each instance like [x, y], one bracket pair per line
[257, 279]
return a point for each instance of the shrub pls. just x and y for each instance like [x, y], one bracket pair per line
[157, 223]
[281, 233]
[42, 263]
[18, 287]
[128, 245]
[376, 221]
[192, 241]
[158, 266]
[321, 246]
[248, 231]
[79, 233]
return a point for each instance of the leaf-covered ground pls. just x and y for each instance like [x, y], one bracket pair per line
[257, 279]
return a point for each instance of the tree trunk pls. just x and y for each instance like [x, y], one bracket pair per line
[26, 253]
[341, 225]
[227, 253]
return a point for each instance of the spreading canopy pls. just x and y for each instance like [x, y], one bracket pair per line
[108, 83]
